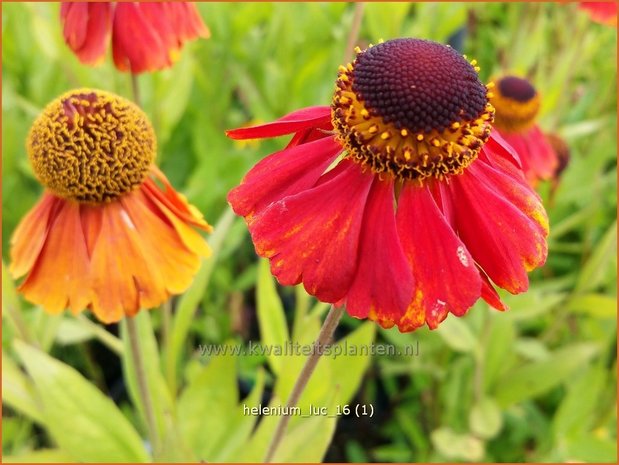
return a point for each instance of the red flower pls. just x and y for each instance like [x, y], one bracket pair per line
[145, 36]
[105, 235]
[397, 201]
[601, 12]
[517, 104]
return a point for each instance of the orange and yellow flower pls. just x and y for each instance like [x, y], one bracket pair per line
[398, 201]
[110, 233]
[146, 36]
[517, 105]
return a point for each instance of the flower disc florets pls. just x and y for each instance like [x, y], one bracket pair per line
[91, 146]
[413, 108]
[517, 104]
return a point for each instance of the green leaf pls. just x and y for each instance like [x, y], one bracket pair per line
[596, 268]
[348, 370]
[384, 20]
[599, 306]
[306, 440]
[72, 331]
[189, 301]
[457, 446]
[532, 349]
[173, 89]
[11, 308]
[317, 431]
[39, 456]
[457, 335]
[536, 378]
[18, 391]
[84, 423]
[575, 413]
[271, 316]
[498, 353]
[240, 426]
[485, 419]
[205, 407]
[588, 448]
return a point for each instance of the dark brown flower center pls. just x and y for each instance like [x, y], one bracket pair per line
[516, 88]
[412, 108]
[418, 85]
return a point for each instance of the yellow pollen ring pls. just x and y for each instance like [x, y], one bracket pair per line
[513, 115]
[91, 146]
[382, 147]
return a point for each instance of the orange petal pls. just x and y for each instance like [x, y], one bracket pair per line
[175, 201]
[59, 277]
[166, 250]
[123, 276]
[29, 236]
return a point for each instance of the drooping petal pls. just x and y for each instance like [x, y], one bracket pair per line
[539, 160]
[497, 150]
[174, 200]
[518, 192]
[305, 118]
[185, 21]
[501, 238]
[87, 28]
[312, 237]
[157, 16]
[281, 174]
[167, 250]
[120, 270]
[444, 271]
[59, 277]
[180, 223]
[489, 293]
[136, 45]
[30, 235]
[383, 285]
[114, 258]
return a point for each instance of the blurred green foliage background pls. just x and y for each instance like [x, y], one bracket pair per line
[537, 383]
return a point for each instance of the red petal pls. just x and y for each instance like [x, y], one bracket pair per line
[87, 29]
[601, 12]
[281, 174]
[538, 159]
[185, 20]
[305, 118]
[136, 45]
[156, 15]
[518, 192]
[444, 271]
[313, 236]
[497, 149]
[501, 238]
[383, 286]
[489, 293]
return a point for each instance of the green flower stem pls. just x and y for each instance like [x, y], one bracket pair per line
[105, 337]
[135, 89]
[355, 28]
[140, 375]
[324, 336]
